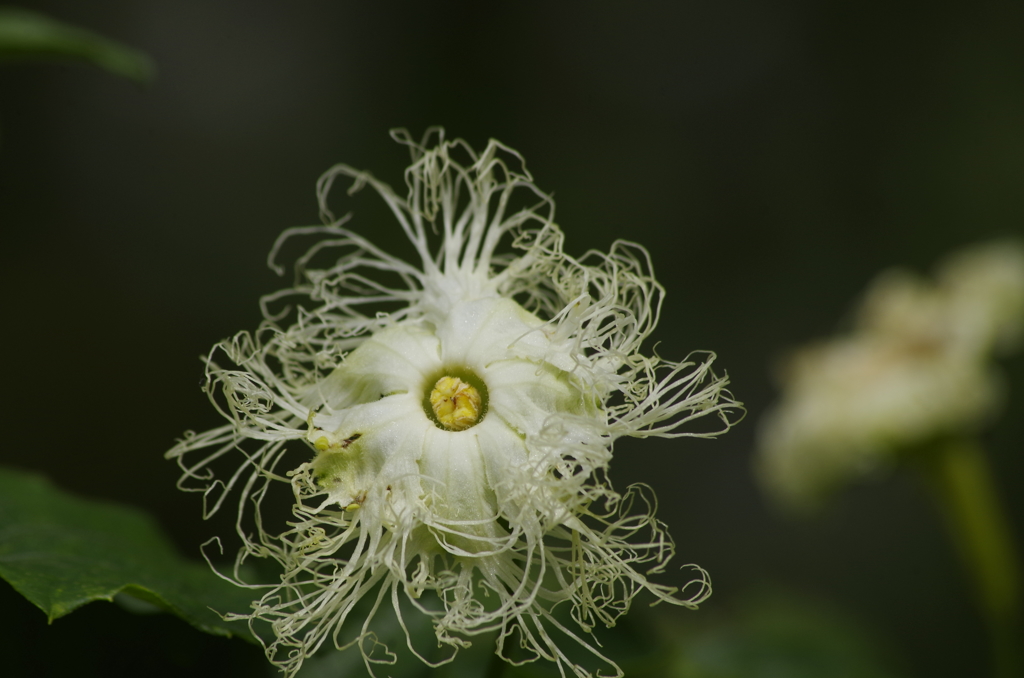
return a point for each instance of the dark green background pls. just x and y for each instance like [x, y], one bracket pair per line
[773, 156]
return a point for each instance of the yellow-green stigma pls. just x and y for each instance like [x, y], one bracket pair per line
[456, 404]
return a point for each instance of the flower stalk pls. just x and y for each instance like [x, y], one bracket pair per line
[965, 491]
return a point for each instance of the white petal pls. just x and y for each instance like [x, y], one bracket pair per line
[525, 394]
[394, 360]
[456, 491]
[480, 331]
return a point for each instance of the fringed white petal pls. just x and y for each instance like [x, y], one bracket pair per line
[333, 396]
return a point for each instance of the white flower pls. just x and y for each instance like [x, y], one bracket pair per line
[916, 367]
[445, 428]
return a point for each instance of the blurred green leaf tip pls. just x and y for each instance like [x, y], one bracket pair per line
[61, 552]
[26, 35]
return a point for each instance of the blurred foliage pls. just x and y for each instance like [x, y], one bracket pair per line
[473, 662]
[29, 35]
[775, 636]
[62, 552]
[634, 643]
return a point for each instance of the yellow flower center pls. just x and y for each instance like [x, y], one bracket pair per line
[456, 404]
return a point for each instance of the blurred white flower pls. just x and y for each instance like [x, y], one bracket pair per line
[916, 366]
[454, 421]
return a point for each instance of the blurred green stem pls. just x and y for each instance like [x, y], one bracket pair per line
[967, 494]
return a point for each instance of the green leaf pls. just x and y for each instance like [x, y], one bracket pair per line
[28, 35]
[61, 552]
